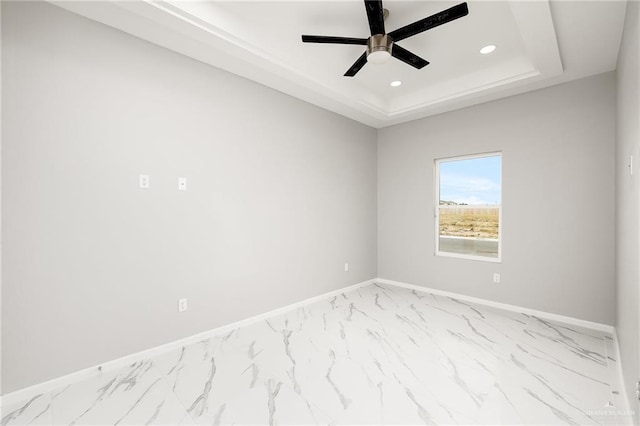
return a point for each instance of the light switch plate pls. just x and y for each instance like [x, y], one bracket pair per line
[182, 184]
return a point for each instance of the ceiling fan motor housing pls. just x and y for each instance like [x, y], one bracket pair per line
[379, 47]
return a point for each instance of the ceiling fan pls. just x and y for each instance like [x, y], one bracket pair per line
[380, 45]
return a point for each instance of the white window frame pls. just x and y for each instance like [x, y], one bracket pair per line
[436, 210]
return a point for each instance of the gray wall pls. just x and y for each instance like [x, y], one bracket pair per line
[280, 195]
[558, 199]
[628, 202]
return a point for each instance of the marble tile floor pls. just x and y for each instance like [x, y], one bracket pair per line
[376, 355]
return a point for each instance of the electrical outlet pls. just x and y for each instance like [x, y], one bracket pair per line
[630, 165]
[496, 277]
[182, 184]
[143, 181]
[182, 305]
[346, 267]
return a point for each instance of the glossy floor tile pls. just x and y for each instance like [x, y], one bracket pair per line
[376, 355]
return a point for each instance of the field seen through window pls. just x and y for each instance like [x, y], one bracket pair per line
[469, 221]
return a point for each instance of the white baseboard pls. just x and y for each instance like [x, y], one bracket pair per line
[48, 386]
[507, 307]
[628, 420]
[541, 314]
[59, 382]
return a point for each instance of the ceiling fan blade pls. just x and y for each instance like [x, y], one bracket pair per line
[432, 21]
[408, 58]
[375, 15]
[333, 40]
[357, 65]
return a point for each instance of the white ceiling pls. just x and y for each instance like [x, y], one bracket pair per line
[540, 43]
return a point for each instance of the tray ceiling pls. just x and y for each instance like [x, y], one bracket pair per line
[539, 43]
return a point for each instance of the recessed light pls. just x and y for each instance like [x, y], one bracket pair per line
[396, 83]
[488, 49]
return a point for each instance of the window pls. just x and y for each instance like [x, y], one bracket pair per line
[469, 207]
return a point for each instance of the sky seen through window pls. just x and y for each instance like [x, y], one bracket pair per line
[473, 181]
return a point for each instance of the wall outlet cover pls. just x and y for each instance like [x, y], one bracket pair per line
[182, 305]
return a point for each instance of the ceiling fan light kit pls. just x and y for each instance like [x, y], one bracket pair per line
[380, 45]
[379, 48]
